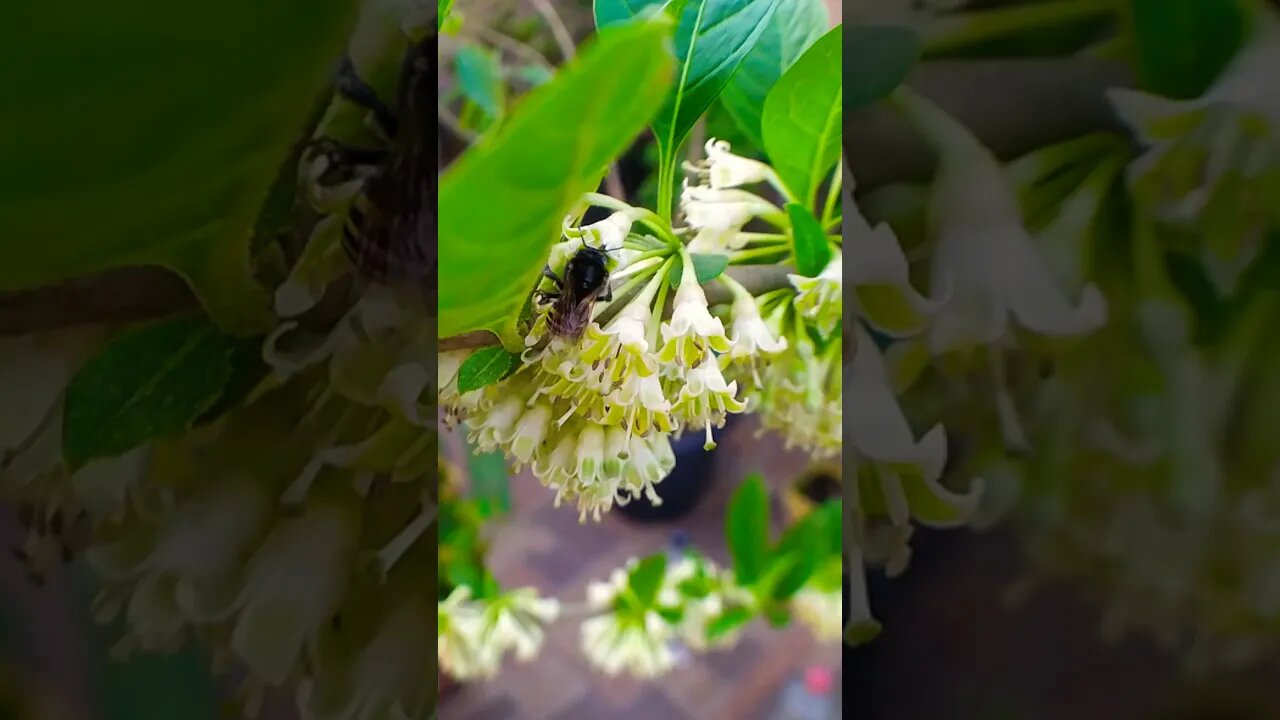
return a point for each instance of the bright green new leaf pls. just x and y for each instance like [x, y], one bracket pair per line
[1180, 46]
[802, 115]
[148, 382]
[801, 544]
[486, 367]
[502, 203]
[705, 267]
[791, 30]
[878, 60]
[747, 529]
[808, 241]
[646, 579]
[728, 621]
[443, 7]
[149, 133]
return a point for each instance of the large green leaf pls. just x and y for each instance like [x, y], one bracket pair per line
[791, 30]
[808, 241]
[879, 59]
[145, 132]
[148, 382]
[501, 205]
[747, 529]
[802, 115]
[614, 12]
[1180, 46]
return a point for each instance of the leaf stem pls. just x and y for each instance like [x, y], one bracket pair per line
[833, 193]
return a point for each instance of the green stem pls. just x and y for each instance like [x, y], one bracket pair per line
[833, 193]
[742, 256]
[947, 34]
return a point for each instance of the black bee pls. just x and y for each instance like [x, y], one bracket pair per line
[586, 280]
[390, 230]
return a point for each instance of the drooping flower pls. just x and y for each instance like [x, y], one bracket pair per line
[693, 332]
[821, 299]
[706, 399]
[722, 169]
[718, 216]
[624, 639]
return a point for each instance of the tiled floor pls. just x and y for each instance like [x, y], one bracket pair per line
[546, 547]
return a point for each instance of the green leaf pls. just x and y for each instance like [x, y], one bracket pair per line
[502, 203]
[615, 12]
[146, 383]
[747, 529]
[802, 116]
[728, 621]
[486, 367]
[490, 483]
[480, 76]
[879, 59]
[801, 548]
[712, 39]
[1180, 46]
[443, 7]
[808, 241]
[646, 579]
[705, 267]
[129, 143]
[787, 35]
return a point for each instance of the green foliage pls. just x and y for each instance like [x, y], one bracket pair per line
[706, 268]
[747, 529]
[480, 77]
[802, 117]
[443, 7]
[646, 579]
[1180, 46]
[808, 241]
[486, 367]
[616, 12]
[791, 30]
[878, 62]
[148, 382]
[490, 483]
[128, 142]
[502, 203]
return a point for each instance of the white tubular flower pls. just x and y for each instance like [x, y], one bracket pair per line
[706, 398]
[985, 260]
[751, 335]
[639, 404]
[821, 298]
[492, 428]
[722, 169]
[294, 584]
[530, 431]
[607, 234]
[514, 622]
[1213, 163]
[458, 632]
[719, 215]
[693, 332]
[651, 459]
[882, 292]
[820, 611]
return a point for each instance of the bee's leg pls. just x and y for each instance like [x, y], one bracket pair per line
[546, 273]
[607, 295]
[350, 85]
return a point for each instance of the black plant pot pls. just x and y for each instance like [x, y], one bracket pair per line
[684, 488]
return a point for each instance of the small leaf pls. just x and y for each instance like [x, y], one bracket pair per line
[148, 382]
[706, 268]
[879, 59]
[728, 621]
[502, 203]
[1180, 46]
[801, 544]
[747, 529]
[480, 76]
[808, 241]
[802, 116]
[787, 35]
[486, 367]
[646, 579]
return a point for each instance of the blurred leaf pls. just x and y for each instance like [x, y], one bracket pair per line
[747, 529]
[490, 482]
[802, 115]
[535, 75]
[147, 382]
[1180, 46]
[443, 7]
[502, 203]
[129, 142]
[791, 30]
[808, 241]
[801, 547]
[480, 76]
[485, 367]
[614, 12]
[879, 60]
[728, 621]
[705, 267]
[646, 579]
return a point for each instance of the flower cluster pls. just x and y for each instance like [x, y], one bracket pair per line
[474, 635]
[592, 415]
